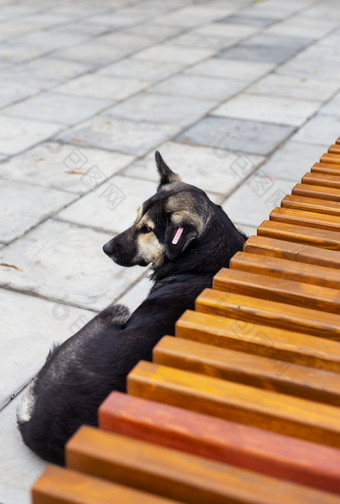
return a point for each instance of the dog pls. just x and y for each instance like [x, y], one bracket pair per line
[187, 239]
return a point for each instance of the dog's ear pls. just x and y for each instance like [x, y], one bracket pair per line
[166, 174]
[181, 230]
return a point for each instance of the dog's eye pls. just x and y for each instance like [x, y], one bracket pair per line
[145, 229]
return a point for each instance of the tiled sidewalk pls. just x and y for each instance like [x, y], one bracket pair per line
[240, 96]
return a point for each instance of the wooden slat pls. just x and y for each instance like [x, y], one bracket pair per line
[278, 289]
[300, 234]
[331, 169]
[303, 218]
[334, 149]
[319, 192]
[330, 158]
[292, 251]
[311, 205]
[177, 475]
[283, 268]
[240, 403]
[284, 316]
[270, 342]
[338, 141]
[253, 370]
[64, 486]
[248, 447]
[321, 179]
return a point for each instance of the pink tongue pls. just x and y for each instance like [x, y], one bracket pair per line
[177, 236]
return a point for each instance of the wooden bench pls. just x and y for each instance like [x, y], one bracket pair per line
[243, 406]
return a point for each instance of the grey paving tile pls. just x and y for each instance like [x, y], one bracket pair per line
[333, 107]
[252, 203]
[240, 19]
[213, 170]
[71, 168]
[295, 87]
[23, 206]
[79, 27]
[199, 87]
[93, 52]
[128, 42]
[46, 71]
[15, 459]
[269, 109]
[13, 28]
[18, 53]
[113, 206]
[157, 108]
[18, 134]
[2, 157]
[63, 109]
[144, 70]
[323, 129]
[324, 10]
[235, 134]
[45, 19]
[303, 26]
[102, 86]
[65, 262]
[194, 39]
[115, 20]
[295, 43]
[311, 68]
[294, 160]
[222, 30]
[129, 137]
[273, 9]
[51, 40]
[41, 324]
[266, 49]
[173, 53]
[154, 30]
[231, 69]
[193, 15]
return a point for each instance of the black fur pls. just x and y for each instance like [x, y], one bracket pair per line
[80, 373]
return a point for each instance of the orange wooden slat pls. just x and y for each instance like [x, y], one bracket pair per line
[253, 370]
[300, 234]
[278, 289]
[238, 403]
[254, 449]
[320, 192]
[321, 179]
[331, 169]
[334, 149]
[283, 268]
[330, 158]
[259, 339]
[303, 218]
[311, 205]
[64, 486]
[177, 475]
[284, 316]
[292, 251]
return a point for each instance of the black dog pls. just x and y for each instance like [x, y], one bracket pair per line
[187, 238]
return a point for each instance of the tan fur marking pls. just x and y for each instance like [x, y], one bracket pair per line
[149, 248]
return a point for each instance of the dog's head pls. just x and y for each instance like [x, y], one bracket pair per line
[166, 223]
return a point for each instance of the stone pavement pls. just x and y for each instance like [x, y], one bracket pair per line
[240, 96]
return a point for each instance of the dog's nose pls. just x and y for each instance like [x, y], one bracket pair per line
[107, 248]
